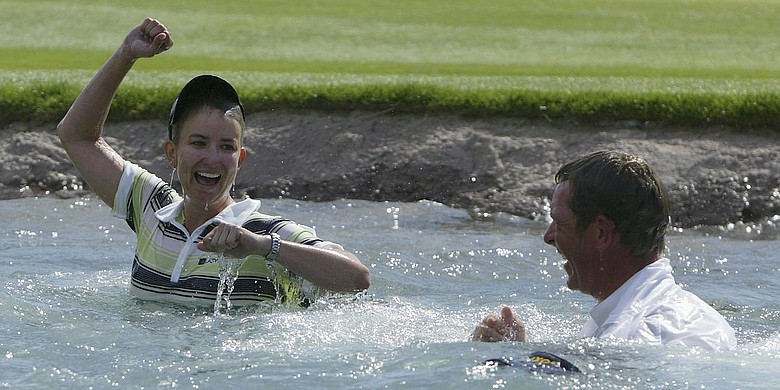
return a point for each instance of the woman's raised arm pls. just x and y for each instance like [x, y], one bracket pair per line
[81, 129]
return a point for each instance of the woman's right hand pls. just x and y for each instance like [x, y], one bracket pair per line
[147, 39]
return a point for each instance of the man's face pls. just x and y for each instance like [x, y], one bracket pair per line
[582, 260]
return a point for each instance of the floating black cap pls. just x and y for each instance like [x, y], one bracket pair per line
[200, 91]
[544, 362]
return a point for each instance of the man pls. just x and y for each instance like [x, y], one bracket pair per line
[609, 216]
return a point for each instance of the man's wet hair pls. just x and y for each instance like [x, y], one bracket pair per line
[624, 189]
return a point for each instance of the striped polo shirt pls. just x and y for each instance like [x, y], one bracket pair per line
[168, 266]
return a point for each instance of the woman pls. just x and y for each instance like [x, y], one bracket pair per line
[177, 232]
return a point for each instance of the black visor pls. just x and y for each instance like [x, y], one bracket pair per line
[200, 91]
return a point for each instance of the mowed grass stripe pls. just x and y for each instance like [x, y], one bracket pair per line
[619, 38]
[564, 59]
[42, 60]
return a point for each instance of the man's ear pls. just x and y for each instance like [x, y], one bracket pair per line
[605, 231]
[170, 151]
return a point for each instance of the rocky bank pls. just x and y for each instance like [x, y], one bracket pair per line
[715, 176]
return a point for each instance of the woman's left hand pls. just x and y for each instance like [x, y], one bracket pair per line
[227, 238]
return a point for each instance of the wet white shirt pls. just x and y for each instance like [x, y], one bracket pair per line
[651, 307]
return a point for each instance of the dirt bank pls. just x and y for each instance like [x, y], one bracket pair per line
[714, 176]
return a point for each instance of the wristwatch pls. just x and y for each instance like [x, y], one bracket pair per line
[276, 244]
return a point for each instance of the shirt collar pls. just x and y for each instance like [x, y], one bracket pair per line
[640, 286]
[235, 213]
[170, 212]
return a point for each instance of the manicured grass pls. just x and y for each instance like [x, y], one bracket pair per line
[685, 62]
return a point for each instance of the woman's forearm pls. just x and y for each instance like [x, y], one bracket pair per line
[333, 270]
[85, 118]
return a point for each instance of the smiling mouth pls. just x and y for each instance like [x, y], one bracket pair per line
[206, 178]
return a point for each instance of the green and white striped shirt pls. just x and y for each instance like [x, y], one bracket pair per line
[168, 266]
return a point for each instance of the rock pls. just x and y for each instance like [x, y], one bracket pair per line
[484, 165]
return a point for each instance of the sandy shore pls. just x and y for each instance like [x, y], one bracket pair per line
[715, 176]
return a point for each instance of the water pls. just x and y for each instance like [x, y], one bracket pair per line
[68, 320]
[228, 273]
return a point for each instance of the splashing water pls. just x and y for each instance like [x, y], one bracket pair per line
[64, 313]
[394, 212]
[228, 273]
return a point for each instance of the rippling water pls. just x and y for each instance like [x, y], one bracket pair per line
[68, 320]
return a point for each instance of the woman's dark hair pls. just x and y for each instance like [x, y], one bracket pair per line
[624, 189]
[201, 92]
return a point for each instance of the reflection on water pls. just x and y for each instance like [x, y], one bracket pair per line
[70, 322]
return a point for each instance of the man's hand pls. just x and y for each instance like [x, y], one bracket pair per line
[503, 327]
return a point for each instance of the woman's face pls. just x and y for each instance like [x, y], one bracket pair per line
[207, 156]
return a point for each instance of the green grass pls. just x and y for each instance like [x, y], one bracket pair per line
[682, 62]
